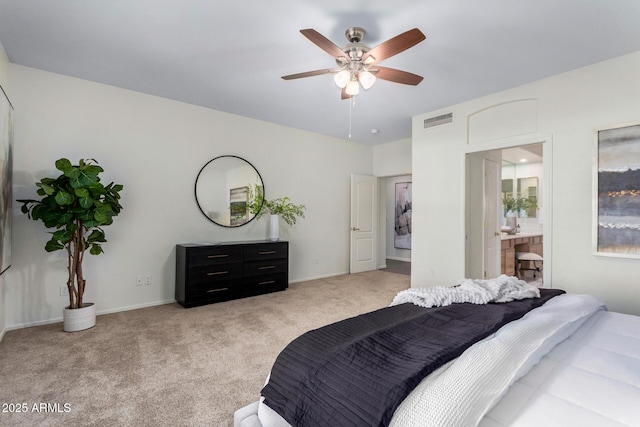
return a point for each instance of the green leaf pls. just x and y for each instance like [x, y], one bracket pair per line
[63, 164]
[96, 236]
[96, 250]
[86, 202]
[53, 245]
[62, 236]
[93, 170]
[47, 189]
[82, 179]
[100, 217]
[82, 192]
[64, 198]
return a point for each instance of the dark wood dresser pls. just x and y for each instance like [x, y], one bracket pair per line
[220, 272]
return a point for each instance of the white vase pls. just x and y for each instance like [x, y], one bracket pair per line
[511, 221]
[274, 231]
[79, 319]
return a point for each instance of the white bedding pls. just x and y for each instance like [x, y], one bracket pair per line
[592, 378]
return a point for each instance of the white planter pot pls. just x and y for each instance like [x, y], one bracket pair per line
[79, 319]
[274, 231]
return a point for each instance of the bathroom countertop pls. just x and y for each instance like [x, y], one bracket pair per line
[506, 236]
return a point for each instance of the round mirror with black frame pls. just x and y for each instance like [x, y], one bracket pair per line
[222, 190]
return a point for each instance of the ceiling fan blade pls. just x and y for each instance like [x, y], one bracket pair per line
[393, 46]
[323, 43]
[393, 75]
[310, 74]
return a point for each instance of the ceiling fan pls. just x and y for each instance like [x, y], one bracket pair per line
[357, 62]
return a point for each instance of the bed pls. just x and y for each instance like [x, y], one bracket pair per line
[565, 361]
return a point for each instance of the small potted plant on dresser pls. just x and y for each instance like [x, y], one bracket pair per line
[77, 205]
[281, 207]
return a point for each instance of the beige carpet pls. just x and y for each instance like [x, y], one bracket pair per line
[170, 366]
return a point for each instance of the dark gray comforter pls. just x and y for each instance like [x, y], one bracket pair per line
[357, 371]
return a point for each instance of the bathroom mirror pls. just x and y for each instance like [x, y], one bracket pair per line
[222, 190]
[528, 187]
[508, 178]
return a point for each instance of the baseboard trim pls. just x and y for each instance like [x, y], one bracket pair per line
[137, 306]
[98, 313]
[2, 334]
[395, 258]
[323, 276]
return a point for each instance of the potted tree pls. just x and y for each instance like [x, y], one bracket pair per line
[77, 205]
[281, 207]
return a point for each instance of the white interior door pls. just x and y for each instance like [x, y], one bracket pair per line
[364, 189]
[492, 241]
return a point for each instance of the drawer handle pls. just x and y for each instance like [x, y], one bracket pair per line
[268, 267]
[217, 256]
[267, 283]
[217, 290]
[266, 252]
[215, 273]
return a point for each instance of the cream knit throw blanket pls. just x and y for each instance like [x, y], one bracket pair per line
[501, 289]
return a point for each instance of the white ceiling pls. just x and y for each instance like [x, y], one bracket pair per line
[523, 154]
[230, 55]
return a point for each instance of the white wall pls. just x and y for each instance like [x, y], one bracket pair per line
[155, 148]
[565, 110]
[392, 158]
[4, 82]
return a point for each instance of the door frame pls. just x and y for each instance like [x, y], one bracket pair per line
[547, 164]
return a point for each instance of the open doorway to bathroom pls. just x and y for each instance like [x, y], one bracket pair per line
[522, 207]
[505, 212]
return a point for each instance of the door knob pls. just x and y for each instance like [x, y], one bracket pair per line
[495, 233]
[355, 229]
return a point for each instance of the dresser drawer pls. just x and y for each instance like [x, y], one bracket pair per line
[205, 255]
[214, 289]
[214, 273]
[268, 266]
[266, 283]
[266, 251]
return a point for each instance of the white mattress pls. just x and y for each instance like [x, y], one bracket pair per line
[590, 379]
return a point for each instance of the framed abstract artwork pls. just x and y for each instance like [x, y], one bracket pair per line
[6, 179]
[616, 199]
[402, 229]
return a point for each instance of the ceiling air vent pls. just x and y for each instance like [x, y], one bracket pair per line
[438, 120]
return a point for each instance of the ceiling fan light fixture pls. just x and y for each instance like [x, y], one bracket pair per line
[366, 79]
[353, 88]
[342, 78]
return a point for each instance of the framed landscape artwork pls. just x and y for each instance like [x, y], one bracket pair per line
[238, 205]
[6, 184]
[402, 229]
[617, 192]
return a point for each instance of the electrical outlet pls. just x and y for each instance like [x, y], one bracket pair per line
[138, 280]
[147, 279]
[64, 291]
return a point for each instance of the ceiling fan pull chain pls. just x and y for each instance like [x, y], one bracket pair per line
[352, 105]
